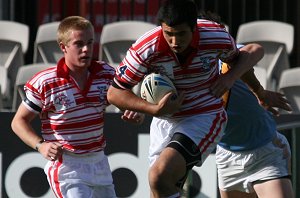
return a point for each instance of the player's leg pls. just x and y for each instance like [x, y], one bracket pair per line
[169, 168]
[280, 185]
[277, 183]
[276, 188]
[170, 164]
[169, 172]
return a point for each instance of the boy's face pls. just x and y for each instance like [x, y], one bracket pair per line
[178, 37]
[78, 51]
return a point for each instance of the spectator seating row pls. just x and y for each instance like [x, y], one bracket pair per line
[276, 38]
[14, 41]
[274, 70]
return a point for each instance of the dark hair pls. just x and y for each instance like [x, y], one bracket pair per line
[176, 12]
[212, 16]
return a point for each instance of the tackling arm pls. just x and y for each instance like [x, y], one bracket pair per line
[126, 99]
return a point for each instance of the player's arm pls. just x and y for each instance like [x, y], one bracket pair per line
[267, 99]
[125, 99]
[248, 56]
[254, 54]
[21, 126]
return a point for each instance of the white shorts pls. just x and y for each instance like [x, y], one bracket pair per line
[205, 130]
[239, 170]
[81, 176]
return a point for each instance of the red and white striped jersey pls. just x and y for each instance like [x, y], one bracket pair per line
[69, 115]
[151, 53]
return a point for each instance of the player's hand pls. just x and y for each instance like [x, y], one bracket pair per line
[222, 84]
[271, 100]
[133, 117]
[169, 104]
[51, 150]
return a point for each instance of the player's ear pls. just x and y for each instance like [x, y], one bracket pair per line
[62, 47]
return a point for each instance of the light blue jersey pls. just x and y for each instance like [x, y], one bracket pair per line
[249, 125]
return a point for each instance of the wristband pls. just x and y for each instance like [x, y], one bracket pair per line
[38, 145]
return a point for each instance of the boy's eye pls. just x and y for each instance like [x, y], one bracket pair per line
[79, 44]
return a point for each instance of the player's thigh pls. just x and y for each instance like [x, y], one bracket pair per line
[276, 188]
[236, 194]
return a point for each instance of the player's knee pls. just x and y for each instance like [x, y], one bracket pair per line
[158, 178]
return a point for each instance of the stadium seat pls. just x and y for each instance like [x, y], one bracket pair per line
[14, 39]
[46, 48]
[261, 75]
[3, 85]
[277, 38]
[117, 37]
[24, 74]
[289, 84]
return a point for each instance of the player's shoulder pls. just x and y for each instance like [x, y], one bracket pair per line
[44, 74]
[209, 24]
[148, 39]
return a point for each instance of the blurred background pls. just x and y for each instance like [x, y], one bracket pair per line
[100, 12]
[27, 45]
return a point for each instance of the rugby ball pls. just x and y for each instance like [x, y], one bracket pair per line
[155, 86]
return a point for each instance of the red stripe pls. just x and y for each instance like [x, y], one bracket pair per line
[55, 188]
[216, 134]
[50, 177]
[208, 46]
[150, 37]
[77, 125]
[212, 128]
[211, 133]
[55, 175]
[90, 146]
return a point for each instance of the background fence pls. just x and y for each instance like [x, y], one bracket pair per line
[100, 12]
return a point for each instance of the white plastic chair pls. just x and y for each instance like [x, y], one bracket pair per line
[289, 84]
[117, 37]
[3, 85]
[14, 39]
[277, 38]
[24, 74]
[46, 48]
[261, 75]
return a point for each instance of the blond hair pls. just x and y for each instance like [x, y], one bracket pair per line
[71, 23]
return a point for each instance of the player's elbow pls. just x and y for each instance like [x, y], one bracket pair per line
[255, 50]
[259, 50]
[14, 124]
[110, 95]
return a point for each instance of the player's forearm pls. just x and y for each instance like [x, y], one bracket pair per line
[249, 56]
[25, 132]
[253, 83]
[21, 125]
[126, 100]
